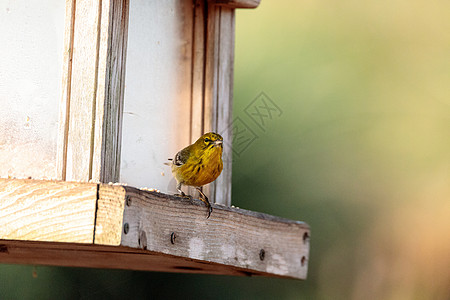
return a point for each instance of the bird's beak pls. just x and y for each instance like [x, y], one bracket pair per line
[218, 143]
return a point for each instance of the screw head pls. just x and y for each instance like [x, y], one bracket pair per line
[303, 261]
[262, 254]
[126, 228]
[173, 236]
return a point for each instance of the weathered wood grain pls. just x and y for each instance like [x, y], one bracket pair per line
[130, 228]
[38, 210]
[110, 91]
[211, 82]
[224, 106]
[198, 70]
[231, 236]
[219, 66]
[84, 78]
[109, 219]
[93, 88]
[66, 89]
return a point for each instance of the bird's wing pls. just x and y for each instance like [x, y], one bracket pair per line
[181, 157]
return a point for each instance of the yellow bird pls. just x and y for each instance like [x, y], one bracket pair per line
[199, 164]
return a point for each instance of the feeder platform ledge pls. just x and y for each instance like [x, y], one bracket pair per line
[94, 225]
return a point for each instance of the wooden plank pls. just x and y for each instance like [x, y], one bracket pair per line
[83, 90]
[211, 80]
[237, 3]
[93, 88]
[47, 210]
[234, 237]
[211, 64]
[110, 91]
[198, 70]
[64, 106]
[198, 76]
[109, 257]
[224, 106]
[109, 218]
[143, 230]
[219, 92]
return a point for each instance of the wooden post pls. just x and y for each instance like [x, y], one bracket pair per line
[212, 85]
[219, 91]
[93, 87]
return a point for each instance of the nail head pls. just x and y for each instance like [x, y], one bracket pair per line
[262, 254]
[173, 236]
[305, 237]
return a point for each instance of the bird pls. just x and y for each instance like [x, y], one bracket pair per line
[198, 164]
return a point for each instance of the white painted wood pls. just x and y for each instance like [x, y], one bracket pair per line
[157, 108]
[31, 55]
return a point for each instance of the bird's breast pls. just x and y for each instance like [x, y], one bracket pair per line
[203, 169]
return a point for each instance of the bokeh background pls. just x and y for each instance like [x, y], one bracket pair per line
[361, 152]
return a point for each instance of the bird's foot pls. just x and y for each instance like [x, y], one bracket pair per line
[210, 209]
[183, 195]
[205, 200]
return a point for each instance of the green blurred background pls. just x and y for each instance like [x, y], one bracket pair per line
[361, 153]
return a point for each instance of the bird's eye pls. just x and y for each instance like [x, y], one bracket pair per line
[207, 140]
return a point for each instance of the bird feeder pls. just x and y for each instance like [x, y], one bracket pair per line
[100, 92]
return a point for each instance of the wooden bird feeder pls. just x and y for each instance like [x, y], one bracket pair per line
[94, 92]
